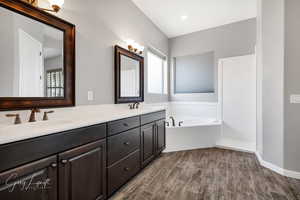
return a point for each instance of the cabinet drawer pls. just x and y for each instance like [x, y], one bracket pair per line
[121, 145]
[148, 118]
[122, 171]
[123, 125]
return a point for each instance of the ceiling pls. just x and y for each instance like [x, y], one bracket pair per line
[179, 17]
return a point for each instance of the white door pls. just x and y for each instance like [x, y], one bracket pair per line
[31, 76]
[238, 98]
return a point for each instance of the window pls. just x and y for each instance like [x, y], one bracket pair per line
[55, 83]
[157, 74]
[194, 74]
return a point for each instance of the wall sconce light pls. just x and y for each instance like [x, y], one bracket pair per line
[55, 4]
[134, 47]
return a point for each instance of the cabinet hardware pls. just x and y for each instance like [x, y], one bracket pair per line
[125, 124]
[126, 143]
[64, 161]
[127, 169]
[53, 165]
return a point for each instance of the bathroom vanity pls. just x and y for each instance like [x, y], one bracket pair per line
[90, 162]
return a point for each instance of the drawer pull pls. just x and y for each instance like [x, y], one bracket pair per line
[126, 169]
[53, 165]
[125, 124]
[64, 161]
[126, 143]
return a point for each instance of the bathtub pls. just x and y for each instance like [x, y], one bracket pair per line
[193, 134]
[200, 127]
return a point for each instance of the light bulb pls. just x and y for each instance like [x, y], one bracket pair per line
[57, 2]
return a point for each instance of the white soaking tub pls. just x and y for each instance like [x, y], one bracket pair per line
[200, 127]
[193, 134]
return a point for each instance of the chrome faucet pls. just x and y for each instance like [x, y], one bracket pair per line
[173, 121]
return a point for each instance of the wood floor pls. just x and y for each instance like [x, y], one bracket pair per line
[209, 174]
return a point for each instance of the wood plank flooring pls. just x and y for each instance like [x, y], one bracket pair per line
[209, 174]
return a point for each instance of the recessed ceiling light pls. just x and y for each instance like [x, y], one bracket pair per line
[184, 17]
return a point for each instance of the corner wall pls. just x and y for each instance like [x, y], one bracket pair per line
[230, 40]
[292, 85]
[273, 80]
[278, 53]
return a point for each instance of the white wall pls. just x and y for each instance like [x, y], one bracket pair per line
[237, 96]
[101, 24]
[225, 41]
[259, 79]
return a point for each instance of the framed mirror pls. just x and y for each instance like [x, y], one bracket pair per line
[129, 76]
[37, 65]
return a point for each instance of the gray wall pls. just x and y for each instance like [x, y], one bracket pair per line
[101, 24]
[6, 54]
[278, 70]
[292, 85]
[226, 41]
[273, 80]
[53, 63]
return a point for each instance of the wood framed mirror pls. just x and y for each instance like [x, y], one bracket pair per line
[129, 76]
[37, 65]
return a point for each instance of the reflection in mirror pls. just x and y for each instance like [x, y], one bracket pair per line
[130, 77]
[31, 64]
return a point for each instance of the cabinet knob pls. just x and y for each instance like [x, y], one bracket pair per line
[53, 165]
[127, 169]
[64, 161]
[126, 143]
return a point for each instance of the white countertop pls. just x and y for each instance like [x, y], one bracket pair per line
[66, 119]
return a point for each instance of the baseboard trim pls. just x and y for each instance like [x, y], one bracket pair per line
[278, 170]
[234, 148]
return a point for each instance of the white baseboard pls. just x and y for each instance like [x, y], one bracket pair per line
[275, 168]
[236, 144]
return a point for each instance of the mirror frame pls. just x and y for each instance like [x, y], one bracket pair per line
[118, 99]
[18, 103]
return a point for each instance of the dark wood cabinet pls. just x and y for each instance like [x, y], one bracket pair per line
[120, 172]
[34, 181]
[160, 136]
[153, 140]
[89, 163]
[148, 143]
[82, 172]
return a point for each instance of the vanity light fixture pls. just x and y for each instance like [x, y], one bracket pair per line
[55, 4]
[135, 47]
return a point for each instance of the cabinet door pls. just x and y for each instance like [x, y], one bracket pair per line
[34, 181]
[148, 143]
[82, 172]
[161, 136]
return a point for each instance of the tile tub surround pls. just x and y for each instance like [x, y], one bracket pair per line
[64, 119]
